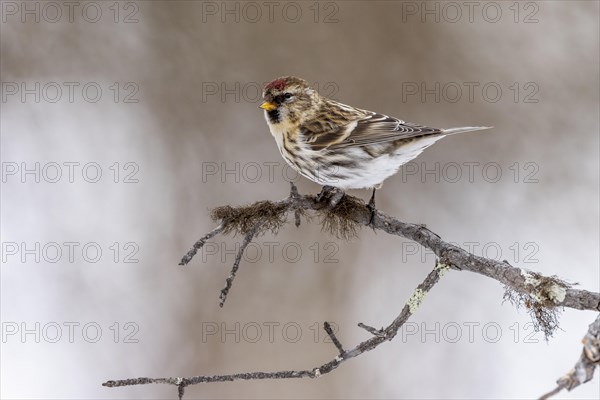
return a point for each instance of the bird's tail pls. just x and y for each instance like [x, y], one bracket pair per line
[452, 131]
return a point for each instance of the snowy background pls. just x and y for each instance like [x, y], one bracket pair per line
[124, 123]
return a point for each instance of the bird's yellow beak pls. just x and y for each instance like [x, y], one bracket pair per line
[267, 105]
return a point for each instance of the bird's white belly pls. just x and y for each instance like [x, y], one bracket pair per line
[370, 172]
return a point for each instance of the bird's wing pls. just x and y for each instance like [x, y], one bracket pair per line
[370, 128]
[322, 133]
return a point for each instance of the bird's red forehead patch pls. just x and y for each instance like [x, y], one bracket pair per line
[278, 84]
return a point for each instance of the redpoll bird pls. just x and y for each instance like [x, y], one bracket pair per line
[341, 146]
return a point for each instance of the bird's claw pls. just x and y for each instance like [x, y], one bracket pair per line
[373, 212]
[332, 194]
[324, 192]
[371, 207]
[336, 197]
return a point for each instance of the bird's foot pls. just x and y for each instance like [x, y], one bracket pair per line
[324, 192]
[336, 197]
[331, 194]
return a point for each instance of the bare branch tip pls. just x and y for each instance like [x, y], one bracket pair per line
[333, 338]
[375, 332]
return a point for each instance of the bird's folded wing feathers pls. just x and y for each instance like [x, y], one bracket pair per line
[374, 128]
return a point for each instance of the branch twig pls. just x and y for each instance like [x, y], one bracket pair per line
[333, 338]
[200, 243]
[229, 281]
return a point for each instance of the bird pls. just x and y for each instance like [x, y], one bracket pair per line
[339, 146]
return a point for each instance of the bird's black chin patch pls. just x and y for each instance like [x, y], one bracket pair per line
[274, 116]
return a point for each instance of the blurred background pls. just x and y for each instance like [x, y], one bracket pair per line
[124, 123]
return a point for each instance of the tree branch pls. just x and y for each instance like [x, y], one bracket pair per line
[344, 219]
[542, 295]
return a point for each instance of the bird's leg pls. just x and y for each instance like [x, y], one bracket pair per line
[371, 207]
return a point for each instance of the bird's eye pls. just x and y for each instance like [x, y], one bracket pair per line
[287, 96]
